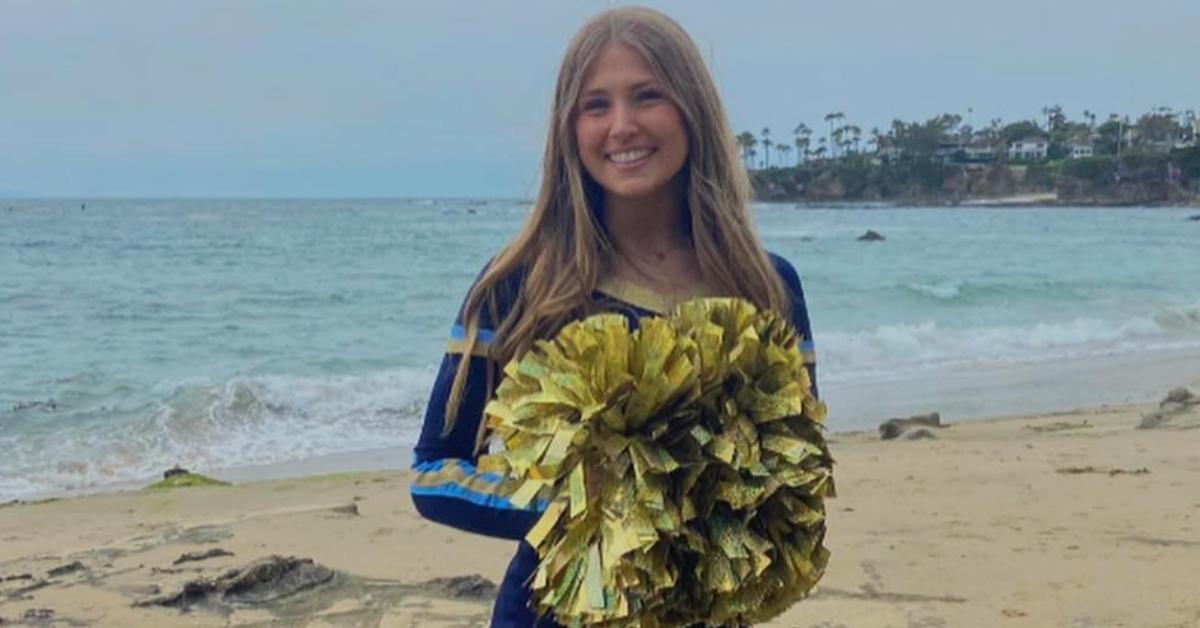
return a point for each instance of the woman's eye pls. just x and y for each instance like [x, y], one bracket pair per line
[594, 104]
[649, 95]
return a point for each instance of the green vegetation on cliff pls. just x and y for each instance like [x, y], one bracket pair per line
[1100, 180]
[1153, 160]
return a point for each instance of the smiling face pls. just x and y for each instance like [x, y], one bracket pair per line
[631, 136]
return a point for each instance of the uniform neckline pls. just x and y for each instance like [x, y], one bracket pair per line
[647, 299]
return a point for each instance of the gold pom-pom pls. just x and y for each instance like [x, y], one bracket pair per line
[683, 464]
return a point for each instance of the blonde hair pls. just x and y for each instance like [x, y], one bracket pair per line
[563, 248]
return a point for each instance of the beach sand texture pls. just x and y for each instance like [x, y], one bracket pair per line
[1071, 519]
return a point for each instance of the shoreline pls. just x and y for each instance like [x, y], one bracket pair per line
[990, 520]
[858, 405]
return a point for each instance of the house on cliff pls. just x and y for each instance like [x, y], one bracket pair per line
[1029, 148]
[1080, 149]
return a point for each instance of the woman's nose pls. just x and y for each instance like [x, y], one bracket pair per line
[623, 124]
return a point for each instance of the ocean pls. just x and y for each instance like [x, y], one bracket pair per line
[215, 334]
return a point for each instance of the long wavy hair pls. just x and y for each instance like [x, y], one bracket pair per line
[563, 249]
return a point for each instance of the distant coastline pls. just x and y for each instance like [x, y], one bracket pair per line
[1152, 160]
[1075, 183]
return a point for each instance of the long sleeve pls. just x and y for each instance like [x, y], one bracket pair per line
[448, 488]
[799, 316]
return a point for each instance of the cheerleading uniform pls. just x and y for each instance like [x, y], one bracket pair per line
[450, 490]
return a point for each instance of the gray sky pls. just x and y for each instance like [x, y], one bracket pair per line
[357, 98]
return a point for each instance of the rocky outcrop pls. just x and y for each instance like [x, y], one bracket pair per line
[1179, 410]
[871, 236]
[262, 581]
[913, 428]
[35, 406]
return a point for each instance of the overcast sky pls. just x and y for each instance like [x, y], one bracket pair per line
[297, 98]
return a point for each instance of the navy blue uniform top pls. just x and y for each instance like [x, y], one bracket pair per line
[450, 490]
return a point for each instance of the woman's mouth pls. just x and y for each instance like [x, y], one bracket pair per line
[632, 158]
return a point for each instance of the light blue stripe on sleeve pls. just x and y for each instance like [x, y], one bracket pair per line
[458, 332]
[467, 468]
[479, 499]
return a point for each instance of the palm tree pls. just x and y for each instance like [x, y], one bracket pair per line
[802, 133]
[830, 118]
[855, 135]
[784, 150]
[876, 138]
[747, 141]
[802, 145]
[766, 141]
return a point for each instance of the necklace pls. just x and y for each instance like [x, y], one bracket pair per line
[670, 290]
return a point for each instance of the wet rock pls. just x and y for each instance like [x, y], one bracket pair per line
[66, 569]
[35, 406]
[195, 556]
[894, 428]
[260, 582]
[472, 587]
[871, 236]
[275, 577]
[1181, 395]
[174, 471]
[1180, 409]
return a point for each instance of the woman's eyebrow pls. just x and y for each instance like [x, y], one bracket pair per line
[600, 91]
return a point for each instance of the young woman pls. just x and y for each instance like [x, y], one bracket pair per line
[643, 204]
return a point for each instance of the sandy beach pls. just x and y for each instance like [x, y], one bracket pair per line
[1068, 519]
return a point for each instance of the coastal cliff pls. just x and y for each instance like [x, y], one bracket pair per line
[1172, 179]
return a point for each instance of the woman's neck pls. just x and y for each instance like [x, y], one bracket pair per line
[652, 242]
[651, 227]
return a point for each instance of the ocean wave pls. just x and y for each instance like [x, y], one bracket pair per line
[243, 421]
[961, 291]
[944, 290]
[847, 355]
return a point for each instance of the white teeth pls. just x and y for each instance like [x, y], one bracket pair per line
[629, 155]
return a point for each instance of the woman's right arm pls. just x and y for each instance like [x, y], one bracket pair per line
[448, 488]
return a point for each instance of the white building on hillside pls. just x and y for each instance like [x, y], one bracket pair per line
[1029, 148]
[1080, 149]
